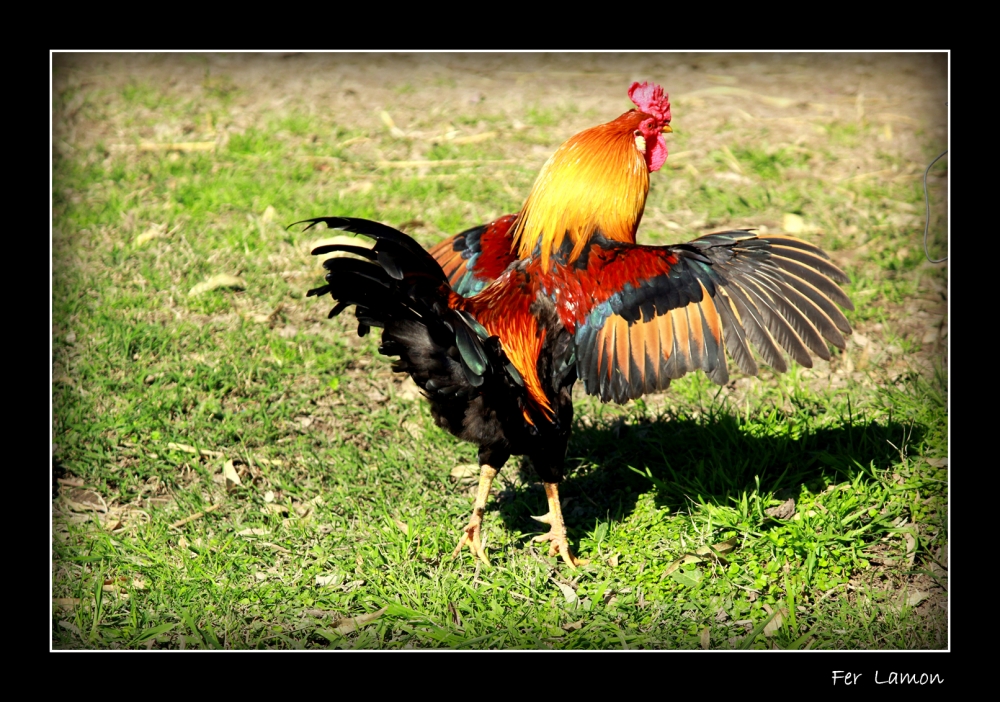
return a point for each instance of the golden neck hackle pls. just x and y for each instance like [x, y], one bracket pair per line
[596, 181]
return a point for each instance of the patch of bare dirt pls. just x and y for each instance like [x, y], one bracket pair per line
[904, 90]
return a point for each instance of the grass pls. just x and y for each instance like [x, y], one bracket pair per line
[345, 506]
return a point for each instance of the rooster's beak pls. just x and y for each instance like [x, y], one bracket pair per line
[666, 129]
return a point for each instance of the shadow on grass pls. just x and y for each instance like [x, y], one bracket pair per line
[715, 459]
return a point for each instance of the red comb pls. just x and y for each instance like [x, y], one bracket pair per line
[651, 99]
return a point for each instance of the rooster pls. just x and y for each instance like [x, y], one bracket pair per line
[497, 323]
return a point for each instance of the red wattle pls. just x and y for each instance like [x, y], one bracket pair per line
[658, 154]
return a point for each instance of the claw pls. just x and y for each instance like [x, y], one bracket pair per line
[559, 545]
[471, 536]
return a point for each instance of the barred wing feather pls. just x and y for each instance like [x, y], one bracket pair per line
[721, 292]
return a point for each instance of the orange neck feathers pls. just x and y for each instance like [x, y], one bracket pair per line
[596, 181]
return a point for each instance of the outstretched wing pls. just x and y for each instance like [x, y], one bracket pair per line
[477, 256]
[668, 310]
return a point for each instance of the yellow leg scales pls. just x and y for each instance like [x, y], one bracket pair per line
[471, 533]
[559, 544]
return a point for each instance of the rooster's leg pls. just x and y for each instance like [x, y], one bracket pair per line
[557, 532]
[472, 529]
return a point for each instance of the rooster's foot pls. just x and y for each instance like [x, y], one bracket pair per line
[471, 536]
[473, 530]
[559, 544]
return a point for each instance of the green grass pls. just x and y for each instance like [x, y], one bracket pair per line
[345, 506]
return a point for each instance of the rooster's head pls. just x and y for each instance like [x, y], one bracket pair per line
[655, 105]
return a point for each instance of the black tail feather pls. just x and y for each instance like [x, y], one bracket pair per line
[399, 287]
[373, 230]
